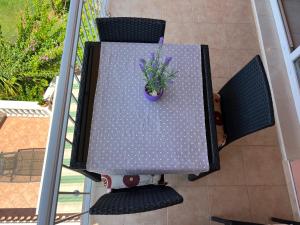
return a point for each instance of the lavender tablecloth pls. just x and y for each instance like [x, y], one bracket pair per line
[131, 135]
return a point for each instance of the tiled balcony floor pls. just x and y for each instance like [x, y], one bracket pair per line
[19, 133]
[250, 185]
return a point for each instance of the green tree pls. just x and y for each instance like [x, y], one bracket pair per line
[28, 65]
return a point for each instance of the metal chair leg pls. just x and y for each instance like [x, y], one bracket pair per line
[277, 220]
[193, 177]
[220, 220]
[162, 180]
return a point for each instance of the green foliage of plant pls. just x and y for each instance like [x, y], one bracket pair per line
[156, 72]
[33, 60]
[60, 6]
[87, 32]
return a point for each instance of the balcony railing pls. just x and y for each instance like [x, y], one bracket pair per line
[81, 27]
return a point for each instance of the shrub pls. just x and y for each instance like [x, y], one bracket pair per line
[28, 65]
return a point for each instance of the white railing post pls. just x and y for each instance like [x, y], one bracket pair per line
[59, 121]
[56, 137]
[105, 12]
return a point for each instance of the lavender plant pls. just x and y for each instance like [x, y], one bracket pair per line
[156, 72]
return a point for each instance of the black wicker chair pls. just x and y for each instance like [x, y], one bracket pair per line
[127, 29]
[136, 200]
[246, 104]
[88, 83]
[235, 222]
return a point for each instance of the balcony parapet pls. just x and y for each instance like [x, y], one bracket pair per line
[23, 109]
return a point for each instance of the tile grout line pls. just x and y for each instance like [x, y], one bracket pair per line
[247, 189]
[209, 206]
[167, 216]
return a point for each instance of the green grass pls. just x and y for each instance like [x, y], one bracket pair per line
[10, 11]
[68, 145]
[70, 129]
[66, 162]
[72, 179]
[73, 114]
[69, 198]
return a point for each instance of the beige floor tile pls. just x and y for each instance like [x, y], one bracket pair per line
[107, 220]
[263, 165]
[238, 12]
[241, 36]
[219, 62]
[175, 3]
[229, 202]
[183, 33]
[232, 168]
[237, 59]
[193, 211]
[178, 180]
[212, 11]
[220, 11]
[266, 201]
[214, 35]
[265, 137]
[173, 33]
[198, 11]
[177, 11]
[186, 219]
[157, 217]
[149, 9]
[124, 8]
[218, 83]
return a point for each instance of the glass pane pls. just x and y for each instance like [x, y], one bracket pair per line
[291, 10]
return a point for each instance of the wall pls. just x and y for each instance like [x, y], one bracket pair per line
[288, 127]
[287, 121]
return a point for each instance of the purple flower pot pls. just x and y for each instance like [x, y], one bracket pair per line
[152, 98]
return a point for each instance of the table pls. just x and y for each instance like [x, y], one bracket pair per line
[130, 135]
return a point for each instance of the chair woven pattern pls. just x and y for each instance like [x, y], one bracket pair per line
[128, 29]
[246, 102]
[135, 200]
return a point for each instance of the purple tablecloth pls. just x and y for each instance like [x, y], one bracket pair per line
[131, 135]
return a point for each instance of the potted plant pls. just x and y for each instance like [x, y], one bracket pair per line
[156, 73]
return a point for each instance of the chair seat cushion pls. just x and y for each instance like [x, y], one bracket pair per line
[135, 200]
[221, 136]
[128, 181]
